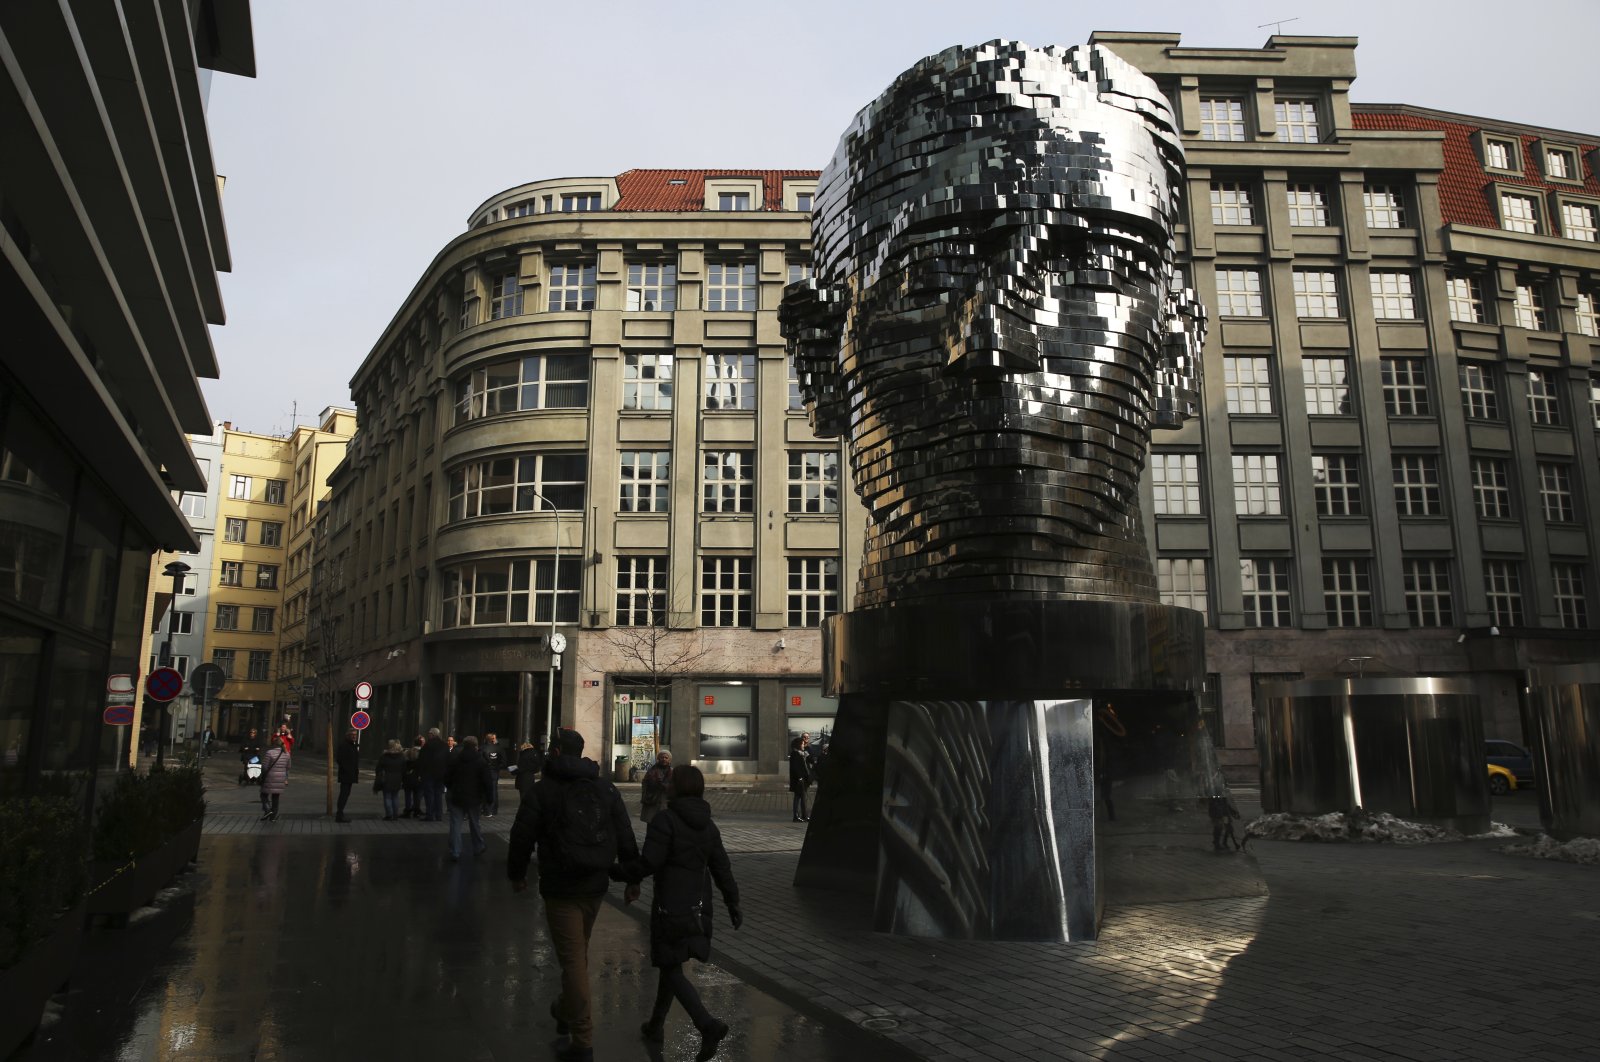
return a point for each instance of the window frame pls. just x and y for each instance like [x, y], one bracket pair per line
[1556, 498]
[1502, 584]
[1233, 203]
[520, 591]
[1381, 200]
[1309, 204]
[1544, 398]
[1246, 379]
[1308, 298]
[1339, 491]
[727, 590]
[1393, 290]
[741, 294]
[1406, 387]
[474, 486]
[1569, 593]
[1181, 588]
[1347, 591]
[505, 384]
[1187, 489]
[1491, 487]
[641, 590]
[1257, 478]
[570, 286]
[1418, 492]
[1480, 397]
[812, 483]
[1230, 298]
[1321, 388]
[1429, 591]
[1233, 120]
[1471, 299]
[812, 591]
[658, 485]
[728, 482]
[645, 387]
[1273, 601]
[646, 276]
[1531, 223]
[1285, 118]
[725, 391]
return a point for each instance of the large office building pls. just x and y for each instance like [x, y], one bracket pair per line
[111, 238]
[1395, 472]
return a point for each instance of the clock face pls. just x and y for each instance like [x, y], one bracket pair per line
[558, 642]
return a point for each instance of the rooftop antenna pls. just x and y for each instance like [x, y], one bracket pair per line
[1280, 23]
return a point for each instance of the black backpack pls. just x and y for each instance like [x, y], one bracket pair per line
[583, 826]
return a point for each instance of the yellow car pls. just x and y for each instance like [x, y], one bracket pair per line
[1501, 780]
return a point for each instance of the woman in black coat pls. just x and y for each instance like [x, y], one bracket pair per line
[389, 779]
[683, 853]
[800, 775]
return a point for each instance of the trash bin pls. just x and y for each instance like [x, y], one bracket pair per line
[619, 769]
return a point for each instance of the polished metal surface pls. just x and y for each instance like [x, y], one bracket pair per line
[1410, 746]
[1561, 718]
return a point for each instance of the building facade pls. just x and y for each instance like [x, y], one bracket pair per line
[111, 238]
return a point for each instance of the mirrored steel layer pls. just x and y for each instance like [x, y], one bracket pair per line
[1561, 717]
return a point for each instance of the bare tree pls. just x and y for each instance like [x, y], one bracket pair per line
[658, 654]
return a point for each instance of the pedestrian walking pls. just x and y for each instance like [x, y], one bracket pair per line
[249, 748]
[411, 780]
[390, 779]
[530, 762]
[800, 776]
[494, 758]
[653, 787]
[286, 736]
[274, 778]
[433, 763]
[683, 854]
[578, 824]
[347, 758]
[469, 792]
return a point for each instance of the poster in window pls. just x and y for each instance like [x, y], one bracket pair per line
[726, 737]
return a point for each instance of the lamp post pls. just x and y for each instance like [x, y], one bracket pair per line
[175, 571]
[555, 603]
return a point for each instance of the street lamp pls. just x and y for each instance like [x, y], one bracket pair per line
[555, 644]
[174, 571]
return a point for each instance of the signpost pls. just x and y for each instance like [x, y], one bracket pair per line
[207, 680]
[118, 715]
[163, 684]
[360, 721]
[122, 691]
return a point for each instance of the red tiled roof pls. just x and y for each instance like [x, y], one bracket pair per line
[1464, 186]
[654, 190]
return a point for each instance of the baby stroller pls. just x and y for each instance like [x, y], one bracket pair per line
[251, 775]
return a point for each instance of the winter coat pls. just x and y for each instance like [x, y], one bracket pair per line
[409, 775]
[537, 825]
[683, 852]
[799, 771]
[493, 756]
[347, 757]
[530, 762]
[470, 781]
[391, 771]
[275, 770]
[434, 760]
[248, 748]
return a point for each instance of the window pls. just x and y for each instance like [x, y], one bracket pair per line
[233, 529]
[1416, 485]
[1465, 296]
[271, 533]
[1502, 580]
[727, 597]
[1544, 403]
[1555, 492]
[1578, 222]
[1328, 387]
[1528, 308]
[225, 659]
[227, 617]
[1308, 206]
[533, 381]
[728, 482]
[1316, 293]
[731, 381]
[1221, 118]
[1266, 592]
[260, 666]
[1239, 293]
[799, 270]
[580, 202]
[1230, 203]
[261, 622]
[1405, 387]
[1392, 299]
[1561, 164]
[266, 577]
[469, 312]
[645, 482]
[642, 591]
[733, 200]
[1499, 154]
[190, 584]
[522, 484]
[275, 492]
[231, 573]
[802, 200]
[813, 481]
[1594, 399]
[1255, 485]
[1587, 319]
[1428, 598]
[1297, 121]
[193, 506]
[813, 590]
[572, 286]
[505, 297]
[511, 590]
[1569, 596]
[180, 664]
[1182, 583]
[647, 381]
[1384, 207]
[1491, 488]
[652, 286]
[1519, 213]
[1175, 484]
[1347, 592]
[1479, 395]
[239, 487]
[180, 622]
[797, 398]
[526, 208]
[1247, 382]
[730, 285]
[1336, 481]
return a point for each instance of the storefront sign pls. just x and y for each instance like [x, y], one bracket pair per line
[644, 740]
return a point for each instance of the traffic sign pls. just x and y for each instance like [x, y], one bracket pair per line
[363, 691]
[208, 679]
[163, 684]
[118, 715]
[363, 703]
[119, 684]
[361, 720]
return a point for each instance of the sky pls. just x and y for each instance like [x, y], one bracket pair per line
[374, 127]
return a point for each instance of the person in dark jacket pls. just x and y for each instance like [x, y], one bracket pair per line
[412, 782]
[390, 779]
[495, 759]
[530, 762]
[800, 776]
[250, 746]
[653, 789]
[470, 784]
[570, 883]
[683, 854]
[347, 758]
[433, 763]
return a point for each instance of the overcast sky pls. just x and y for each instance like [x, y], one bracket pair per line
[374, 127]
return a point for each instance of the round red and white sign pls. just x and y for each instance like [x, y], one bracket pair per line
[363, 691]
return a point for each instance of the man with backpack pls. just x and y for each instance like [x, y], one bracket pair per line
[580, 826]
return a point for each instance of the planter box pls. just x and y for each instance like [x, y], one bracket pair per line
[128, 887]
[38, 974]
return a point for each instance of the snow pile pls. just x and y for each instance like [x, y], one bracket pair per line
[1577, 850]
[1357, 826]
